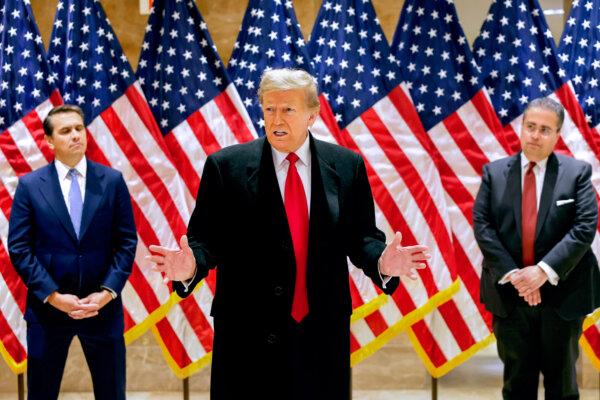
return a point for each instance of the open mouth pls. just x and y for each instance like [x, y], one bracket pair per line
[279, 133]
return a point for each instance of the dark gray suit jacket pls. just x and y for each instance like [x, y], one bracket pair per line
[563, 235]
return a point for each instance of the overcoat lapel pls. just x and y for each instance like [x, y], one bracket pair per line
[50, 190]
[262, 182]
[94, 190]
[552, 170]
[324, 203]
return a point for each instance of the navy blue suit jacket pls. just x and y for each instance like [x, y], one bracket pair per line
[46, 252]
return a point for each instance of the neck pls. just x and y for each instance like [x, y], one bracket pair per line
[70, 162]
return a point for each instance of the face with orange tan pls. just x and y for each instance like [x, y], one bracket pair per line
[287, 118]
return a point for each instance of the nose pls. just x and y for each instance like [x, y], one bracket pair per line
[277, 117]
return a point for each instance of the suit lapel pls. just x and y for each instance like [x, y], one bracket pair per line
[513, 189]
[324, 178]
[552, 170]
[94, 190]
[50, 190]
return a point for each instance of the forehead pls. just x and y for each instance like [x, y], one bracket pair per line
[285, 96]
[541, 116]
[66, 118]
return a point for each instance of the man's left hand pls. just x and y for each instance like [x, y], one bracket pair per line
[100, 298]
[403, 261]
[529, 279]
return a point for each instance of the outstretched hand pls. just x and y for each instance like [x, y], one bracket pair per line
[176, 264]
[397, 260]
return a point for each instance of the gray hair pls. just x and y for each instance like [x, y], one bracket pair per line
[546, 103]
[288, 79]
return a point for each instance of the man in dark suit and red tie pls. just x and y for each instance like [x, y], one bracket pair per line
[278, 218]
[535, 217]
[72, 239]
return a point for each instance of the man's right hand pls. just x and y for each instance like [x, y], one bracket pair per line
[176, 264]
[72, 305]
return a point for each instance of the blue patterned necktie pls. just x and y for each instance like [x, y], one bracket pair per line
[75, 201]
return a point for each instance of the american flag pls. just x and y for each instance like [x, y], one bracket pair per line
[27, 93]
[579, 54]
[517, 57]
[464, 133]
[93, 72]
[199, 112]
[359, 76]
[270, 37]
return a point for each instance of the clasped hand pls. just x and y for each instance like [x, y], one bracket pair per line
[397, 260]
[528, 281]
[78, 308]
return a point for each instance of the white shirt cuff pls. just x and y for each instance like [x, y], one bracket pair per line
[186, 284]
[113, 294]
[505, 279]
[384, 278]
[552, 275]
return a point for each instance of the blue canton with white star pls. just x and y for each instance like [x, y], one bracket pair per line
[579, 55]
[25, 79]
[517, 56]
[270, 37]
[91, 69]
[352, 58]
[435, 60]
[179, 69]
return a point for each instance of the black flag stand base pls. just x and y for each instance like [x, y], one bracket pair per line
[434, 388]
[21, 387]
[186, 388]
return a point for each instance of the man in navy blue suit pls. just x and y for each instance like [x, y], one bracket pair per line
[72, 240]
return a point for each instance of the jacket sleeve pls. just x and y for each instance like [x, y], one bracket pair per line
[567, 253]
[204, 230]
[21, 246]
[124, 239]
[365, 243]
[495, 255]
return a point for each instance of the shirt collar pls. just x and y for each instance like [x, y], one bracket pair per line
[303, 154]
[62, 169]
[540, 164]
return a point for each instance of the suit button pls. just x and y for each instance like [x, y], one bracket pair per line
[271, 338]
[278, 290]
[284, 245]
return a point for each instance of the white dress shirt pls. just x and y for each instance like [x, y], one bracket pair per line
[65, 181]
[539, 171]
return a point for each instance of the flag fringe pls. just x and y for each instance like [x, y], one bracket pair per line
[585, 345]
[16, 367]
[409, 319]
[449, 365]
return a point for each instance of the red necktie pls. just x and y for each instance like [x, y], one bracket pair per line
[297, 215]
[529, 214]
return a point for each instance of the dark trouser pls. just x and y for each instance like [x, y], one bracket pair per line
[104, 349]
[533, 340]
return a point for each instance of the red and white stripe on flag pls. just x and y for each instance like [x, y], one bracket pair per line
[461, 144]
[22, 150]
[409, 198]
[126, 137]
[185, 334]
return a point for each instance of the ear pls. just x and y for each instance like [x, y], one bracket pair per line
[313, 117]
[50, 140]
